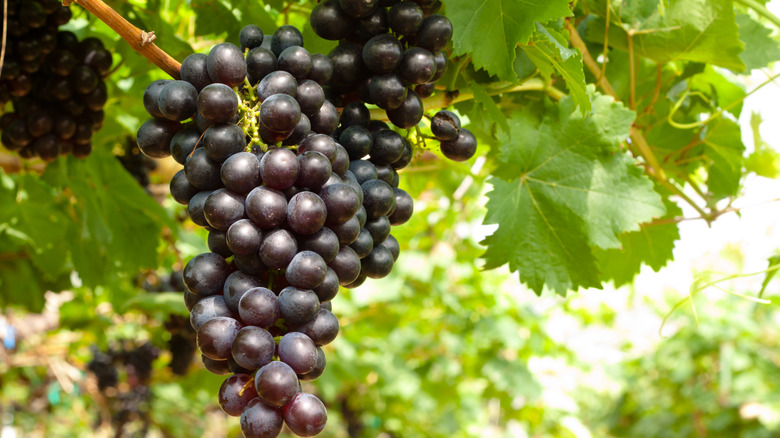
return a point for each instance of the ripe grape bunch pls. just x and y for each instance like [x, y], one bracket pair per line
[391, 52]
[292, 215]
[54, 81]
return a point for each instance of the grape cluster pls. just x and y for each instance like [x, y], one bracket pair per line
[390, 51]
[128, 398]
[137, 165]
[54, 81]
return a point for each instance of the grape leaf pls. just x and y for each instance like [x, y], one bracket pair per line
[652, 245]
[212, 17]
[489, 30]
[561, 189]
[491, 109]
[760, 48]
[691, 30]
[550, 53]
[723, 148]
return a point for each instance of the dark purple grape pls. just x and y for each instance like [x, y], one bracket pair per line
[340, 165]
[461, 148]
[253, 347]
[181, 189]
[285, 36]
[402, 162]
[184, 142]
[325, 120]
[418, 66]
[346, 265]
[278, 249]
[154, 137]
[215, 337]
[223, 208]
[388, 91]
[305, 415]
[39, 123]
[190, 300]
[321, 143]
[251, 36]
[426, 90]
[409, 113]
[276, 383]
[378, 198]
[435, 33]
[298, 351]
[241, 172]
[307, 270]
[244, 237]
[341, 201]
[47, 147]
[298, 306]
[152, 95]
[405, 18]
[441, 65]
[218, 367]
[388, 148]
[259, 420]
[445, 125]
[384, 172]
[347, 232]
[202, 172]
[223, 140]
[382, 54]
[378, 263]
[250, 264]
[358, 8]
[225, 64]
[83, 80]
[295, 60]
[324, 242]
[357, 141]
[235, 394]
[259, 307]
[310, 96]
[306, 213]
[322, 329]
[278, 82]
[314, 169]
[217, 103]
[280, 113]
[62, 63]
[330, 22]
[195, 208]
[363, 244]
[372, 25]
[178, 100]
[321, 68]
[404, 207]
[209, 308]
[364, 170]
[329, 287]
[391, 243]
[379, 228]
[266, 207]
[348, 68]
[300, 132]
[236, 285]
[194, 71]
[259, 63]
[279, 168]
[217, 243]
[205, 274]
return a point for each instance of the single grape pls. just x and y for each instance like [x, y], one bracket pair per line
[329, 287]
[217, 103]
[330, 22]
[346, 265]
[305, 415]
[225, 64]
[251, 36]
[322, 329]
[259, 63]
[241, 172]
[202, 172]
[276, 383]
[253, 347]
[278, 249]
[280, 113]
[378, 263]
[209, 308]
[379, 228]
[306, 213]
[178, 100]
[307, 270]
[154, 137]
[259, 420]
[223, 140]
[435, 33]
[205, 274]
[218, 367]
[404, 207]
[461, 148]
[391, 243]
[409, 113]
[445, 125]
[259, 307]
[235, 394]
[217, 243]
[236, 285]
[314, 169]
[341, 201]
[194, 71]
[244, 237]
[405, 18]
[279, 168]
[321, 68]
[215, 337]
[223, 208]
[295, 60]
[181, 189]
[325, 120]
[388, 91]
[184, 142]
[266, 207]
[348, 231]
[417, 66]
[324, 242]
[285, 36]
[382, 54]
[298, 351]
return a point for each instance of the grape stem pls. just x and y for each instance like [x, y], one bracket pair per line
[141, 41]
[5, 32]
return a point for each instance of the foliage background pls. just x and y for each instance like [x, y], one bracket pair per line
[442, 347]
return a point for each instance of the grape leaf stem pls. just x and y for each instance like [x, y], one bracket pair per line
[760, 10]
[139, 40]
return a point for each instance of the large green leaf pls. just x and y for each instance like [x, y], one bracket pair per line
[489, 30]
[724, 148]
[562, 189]
[760, 48]
[651, 245]
[666, 31]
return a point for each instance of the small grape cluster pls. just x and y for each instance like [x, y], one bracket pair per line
[130, 400]
[54, 81]
[137, 165]
[390, 51]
